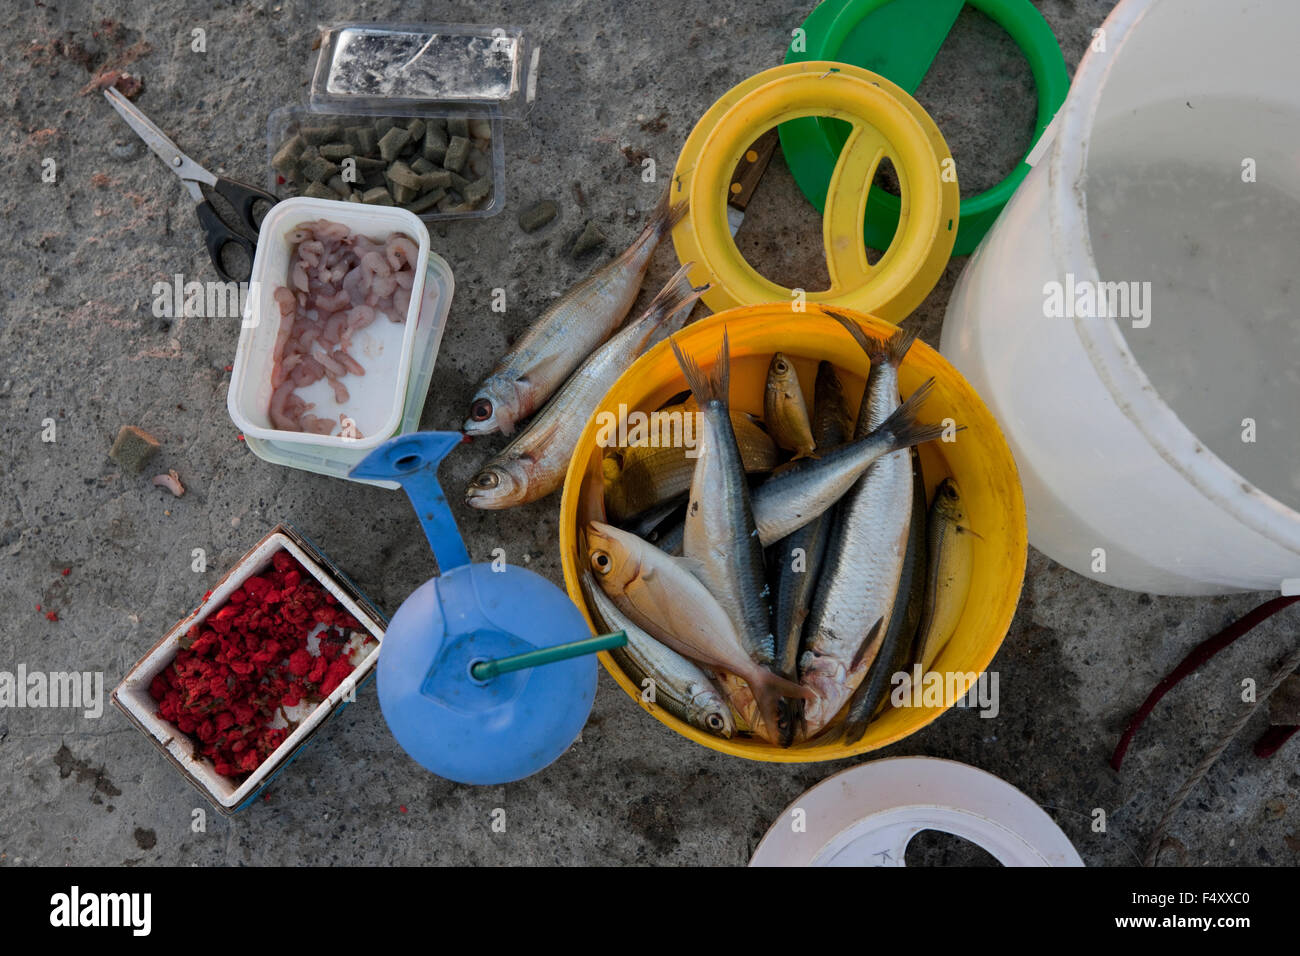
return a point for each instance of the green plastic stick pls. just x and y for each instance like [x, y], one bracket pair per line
[486, 670]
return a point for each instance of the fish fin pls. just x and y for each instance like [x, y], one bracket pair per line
[891, 350]
[855, 729]
[673, 304]
[769, 690]
[899, 343]
[665, 215]
[866, 643]
[711, 386]
[903, 428]
[674, 290]
[524, 385]
[541, 443]
[877, 350]
[967, 529]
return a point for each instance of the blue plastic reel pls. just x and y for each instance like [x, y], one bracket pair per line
[471, 731]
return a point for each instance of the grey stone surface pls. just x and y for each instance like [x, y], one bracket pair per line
[80, 345]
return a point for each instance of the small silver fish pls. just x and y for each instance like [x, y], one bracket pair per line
[720, 532]
[795, 561]
[534, 464]
[802, 490]
[680, 687]
[951, 563]
[571, 329]
[897, 646]
[664, 596]
[864, 563]
[784, 409]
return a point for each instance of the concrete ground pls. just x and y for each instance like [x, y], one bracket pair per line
[81, 346]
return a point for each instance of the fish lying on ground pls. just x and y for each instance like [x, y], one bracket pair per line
[534, 464]
[851, 612]
[567, 332]
[795, 561]
[719, 532]
[948, 574]
[784, 409]
[641, 478]
[663, 595]
[897, 648]
[680, 687]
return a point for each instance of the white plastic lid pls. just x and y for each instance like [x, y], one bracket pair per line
[866, 816]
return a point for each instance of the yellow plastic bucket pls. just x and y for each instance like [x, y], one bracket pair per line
[979, 459]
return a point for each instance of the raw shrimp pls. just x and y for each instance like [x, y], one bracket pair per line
[338, 284]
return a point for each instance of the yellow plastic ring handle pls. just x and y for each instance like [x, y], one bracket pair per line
[886, 122]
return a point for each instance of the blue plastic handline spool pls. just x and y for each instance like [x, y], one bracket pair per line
[459, 727]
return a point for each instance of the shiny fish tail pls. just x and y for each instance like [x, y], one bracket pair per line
[663, 218]
[675, 296]
[769, 691]
[711, 386]
[903, 428]
[890, 350]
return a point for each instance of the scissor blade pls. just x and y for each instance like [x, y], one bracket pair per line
[158, 141]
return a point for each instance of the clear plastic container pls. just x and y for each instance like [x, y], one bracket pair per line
[287, 122]
[373, 67]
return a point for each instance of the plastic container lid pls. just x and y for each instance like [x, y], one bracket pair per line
[371, 67]
[899, 39]
[867, 815]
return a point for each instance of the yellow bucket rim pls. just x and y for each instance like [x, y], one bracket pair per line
[1006, 544]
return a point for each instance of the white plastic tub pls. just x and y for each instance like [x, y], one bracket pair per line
[1147, 180]
[439, 286]
[384, 348]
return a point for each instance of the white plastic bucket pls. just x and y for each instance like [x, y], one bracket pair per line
[1177, 112]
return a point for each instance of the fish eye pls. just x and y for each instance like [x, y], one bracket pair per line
[949, 491]
[481, 410]
[487, 479]
[715, 722]
[601, 562]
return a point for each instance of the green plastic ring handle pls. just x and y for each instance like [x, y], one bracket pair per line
[899, 39]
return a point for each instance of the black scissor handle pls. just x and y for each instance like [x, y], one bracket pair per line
[243, 197]
[217, 235]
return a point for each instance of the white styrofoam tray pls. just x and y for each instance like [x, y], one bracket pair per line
[133, 696]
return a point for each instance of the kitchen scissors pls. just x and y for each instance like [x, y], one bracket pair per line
[217, 234]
